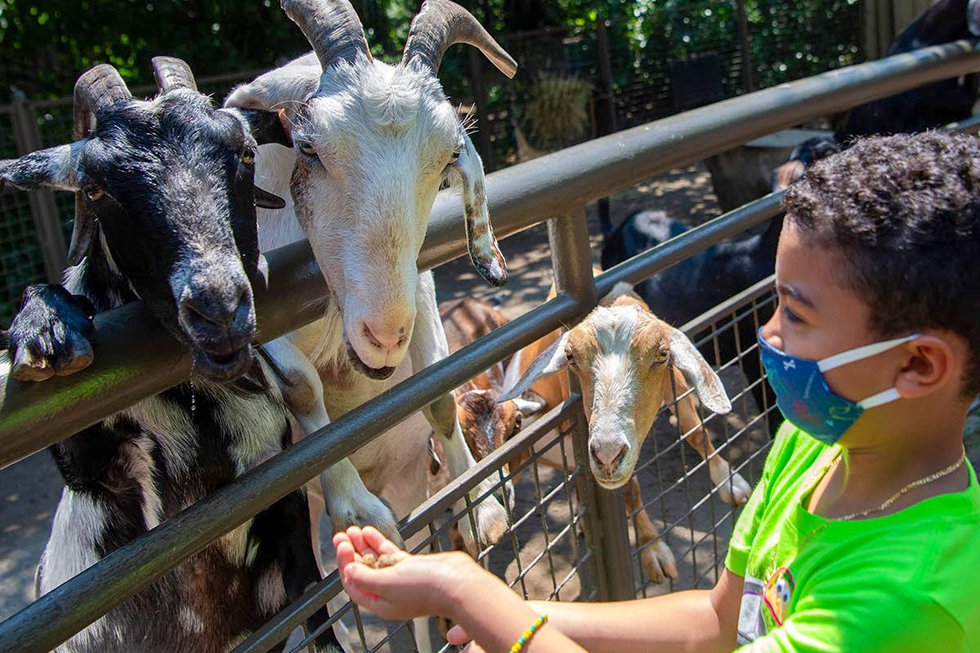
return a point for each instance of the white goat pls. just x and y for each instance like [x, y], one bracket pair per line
[372, 145]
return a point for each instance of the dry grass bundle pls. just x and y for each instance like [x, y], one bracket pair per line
[558, 112]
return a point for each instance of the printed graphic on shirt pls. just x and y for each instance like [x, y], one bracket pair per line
[779, 591]
[750, 624]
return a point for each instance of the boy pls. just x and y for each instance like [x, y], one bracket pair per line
[864, 531]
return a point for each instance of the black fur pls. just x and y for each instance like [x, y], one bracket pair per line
[168, 187]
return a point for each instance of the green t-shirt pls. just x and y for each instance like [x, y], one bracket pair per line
[909, 581]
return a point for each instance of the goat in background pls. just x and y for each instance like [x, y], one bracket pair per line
[628, 362]
[165, 213]
[372, 143]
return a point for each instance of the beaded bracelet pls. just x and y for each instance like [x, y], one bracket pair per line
[528, 634]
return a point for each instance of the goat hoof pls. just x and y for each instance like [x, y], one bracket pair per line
[364, 511]
[658, 562]
[735, 491]
[491, 525]
[50, 335]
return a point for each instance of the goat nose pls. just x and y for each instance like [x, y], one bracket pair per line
[231, 312]
[608, 454]
[385, 339]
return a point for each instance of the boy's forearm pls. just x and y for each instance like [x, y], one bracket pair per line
[683, 621]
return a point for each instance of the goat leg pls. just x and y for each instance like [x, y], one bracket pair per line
[51, 334]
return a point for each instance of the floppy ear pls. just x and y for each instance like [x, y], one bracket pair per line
[54, 167]
[286, 88]
[548, 362]
[973, 17]
[480, 242]
[696, 370]
[529, 403]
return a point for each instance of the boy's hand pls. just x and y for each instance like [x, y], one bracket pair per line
[403, 586]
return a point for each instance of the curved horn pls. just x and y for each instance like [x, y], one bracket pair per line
[171, 73]
[440, 24]
[332, 28]
[95, 90]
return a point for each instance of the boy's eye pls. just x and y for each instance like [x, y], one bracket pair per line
[791, 316]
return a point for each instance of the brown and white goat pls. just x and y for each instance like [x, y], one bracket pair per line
[625, 358]
[486, 422]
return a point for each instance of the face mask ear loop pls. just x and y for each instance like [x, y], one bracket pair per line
[843, 358]
[884, 397]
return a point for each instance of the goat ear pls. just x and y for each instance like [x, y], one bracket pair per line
[530, 403]
[287, 87]
[480, 241]
[548, 362]
[267, 126]
[696, 370]
[50, 168]
[973, 17]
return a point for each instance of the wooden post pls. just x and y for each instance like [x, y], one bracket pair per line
[742, 27]
[482, 116]
[44, 211]
[605, 114]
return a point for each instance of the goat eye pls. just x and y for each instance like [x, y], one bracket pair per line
[308, 150]
[570, 358]
[455, 155]
[518, 421]
[93, 193]
[248, 156]
[662, 355]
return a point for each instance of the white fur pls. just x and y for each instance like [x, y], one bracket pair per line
[384, 138]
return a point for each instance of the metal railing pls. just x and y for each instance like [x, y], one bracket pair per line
[137, 359]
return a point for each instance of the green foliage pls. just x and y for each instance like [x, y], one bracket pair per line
[46, 45]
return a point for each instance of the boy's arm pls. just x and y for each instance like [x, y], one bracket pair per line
[696, 620]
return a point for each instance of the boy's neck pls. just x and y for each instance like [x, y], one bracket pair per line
[886, 456]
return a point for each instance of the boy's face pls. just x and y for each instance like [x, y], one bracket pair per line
[818, 317]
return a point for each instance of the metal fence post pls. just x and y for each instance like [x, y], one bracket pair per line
[606, 524]
[43, 209]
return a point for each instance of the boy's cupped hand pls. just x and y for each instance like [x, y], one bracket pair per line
[406, 585]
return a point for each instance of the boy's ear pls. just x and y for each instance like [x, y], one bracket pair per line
[932, 363]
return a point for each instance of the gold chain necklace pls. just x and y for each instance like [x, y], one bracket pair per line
[826, 469]
[925, 480]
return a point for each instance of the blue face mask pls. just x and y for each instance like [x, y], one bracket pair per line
[806, 400]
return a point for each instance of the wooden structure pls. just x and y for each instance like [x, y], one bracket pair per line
[884, 20]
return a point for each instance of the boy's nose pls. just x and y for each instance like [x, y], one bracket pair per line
[770, 331]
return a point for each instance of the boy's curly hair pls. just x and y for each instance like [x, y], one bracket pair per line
[905, 213]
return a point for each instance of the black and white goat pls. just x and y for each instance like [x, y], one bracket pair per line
[165, 213]
[373, 143]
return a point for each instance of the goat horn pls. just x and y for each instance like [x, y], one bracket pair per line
[440, 24]
[171, 73]
[95, 90]
[332, 28]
